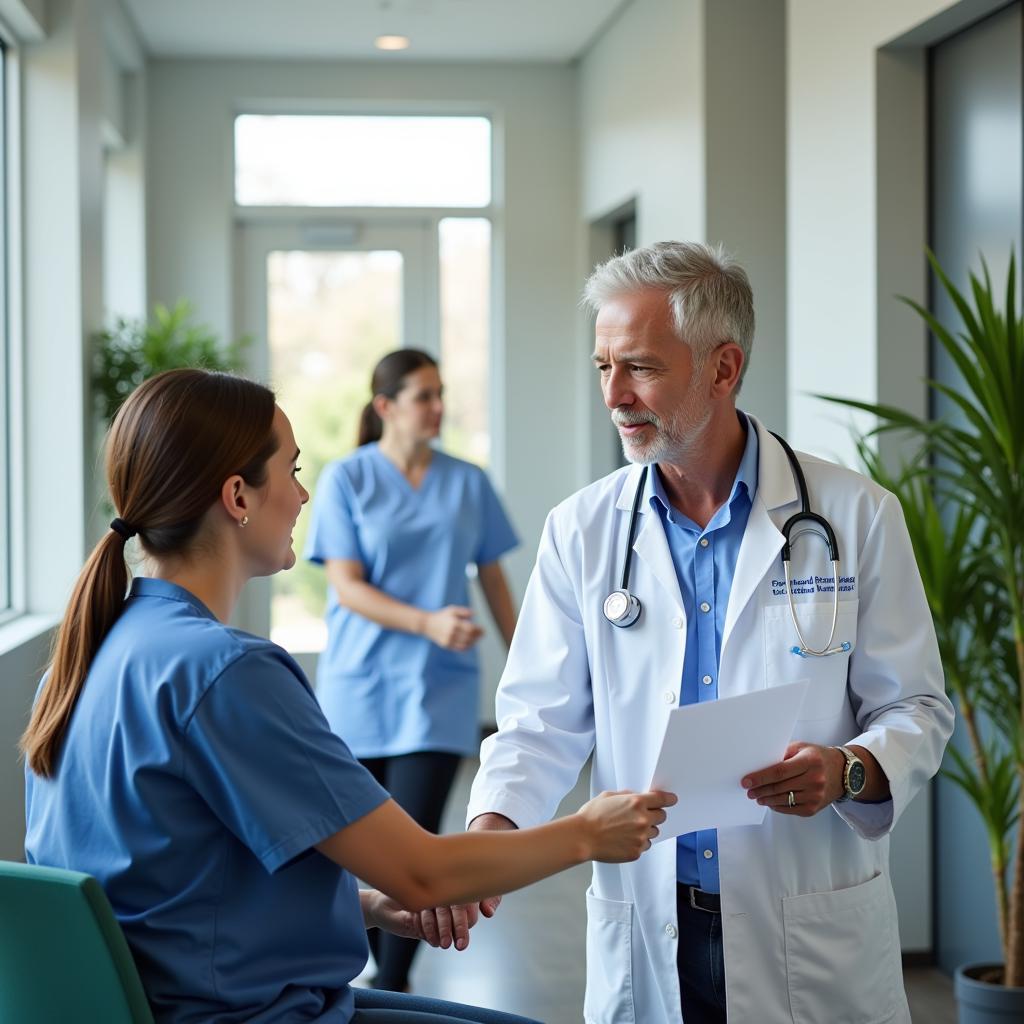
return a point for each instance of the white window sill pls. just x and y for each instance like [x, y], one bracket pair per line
[24, 629]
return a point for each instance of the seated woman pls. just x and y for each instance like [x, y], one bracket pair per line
[188, 767]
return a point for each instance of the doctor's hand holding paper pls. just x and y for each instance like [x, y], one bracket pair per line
[815, 775]
[717, 571]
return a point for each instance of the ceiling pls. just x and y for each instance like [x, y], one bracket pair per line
[440, 30]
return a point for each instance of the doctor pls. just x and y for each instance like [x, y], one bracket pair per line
[793, 920]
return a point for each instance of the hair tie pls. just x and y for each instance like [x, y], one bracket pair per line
[118, 525]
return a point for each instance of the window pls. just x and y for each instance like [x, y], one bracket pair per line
[330, 317]
[332, 291]
[333, 160]
[5, 362]
[465, 259]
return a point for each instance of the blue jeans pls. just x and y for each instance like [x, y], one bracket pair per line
[700, 963]
[374, 1006]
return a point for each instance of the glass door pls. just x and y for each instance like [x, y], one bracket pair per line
[323, 304]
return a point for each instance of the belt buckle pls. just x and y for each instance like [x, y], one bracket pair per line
[693, 900]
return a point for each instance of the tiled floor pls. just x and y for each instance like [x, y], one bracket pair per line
[529, 958]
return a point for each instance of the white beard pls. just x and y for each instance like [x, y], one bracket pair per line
[675, 440]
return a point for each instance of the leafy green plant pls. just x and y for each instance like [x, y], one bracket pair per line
[133, 350]
[963, 498]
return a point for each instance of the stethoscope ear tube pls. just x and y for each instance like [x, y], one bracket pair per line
[621, 608]
[805, 515]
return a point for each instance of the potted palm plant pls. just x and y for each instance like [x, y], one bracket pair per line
[962, 494]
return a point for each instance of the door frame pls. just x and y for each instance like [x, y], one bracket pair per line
[256, 237]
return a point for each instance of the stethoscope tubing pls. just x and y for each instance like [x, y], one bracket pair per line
[805, 515]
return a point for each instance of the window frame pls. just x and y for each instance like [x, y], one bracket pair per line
[12, 568]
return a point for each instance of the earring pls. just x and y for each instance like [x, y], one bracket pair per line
[244, 521]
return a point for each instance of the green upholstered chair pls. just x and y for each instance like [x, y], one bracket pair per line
[63, 958]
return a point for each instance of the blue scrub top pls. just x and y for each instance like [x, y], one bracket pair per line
[386, 692]
[195, 778]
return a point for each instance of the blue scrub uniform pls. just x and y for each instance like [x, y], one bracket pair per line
[390, 693]
[196, 777]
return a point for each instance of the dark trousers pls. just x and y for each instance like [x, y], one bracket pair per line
[700, 963]
[393, 1008]
[419, 783]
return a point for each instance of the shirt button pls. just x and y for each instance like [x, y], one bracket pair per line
[704, 606]
[706, 680]
[677, 622]
[703, 542]
[670, 697]
[670, 930]
[708, 855]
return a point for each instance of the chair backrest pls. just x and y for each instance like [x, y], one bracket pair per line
[63, 957]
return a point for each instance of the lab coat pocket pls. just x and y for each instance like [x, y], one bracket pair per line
[842, 960]
[826, 695]
[609, 998]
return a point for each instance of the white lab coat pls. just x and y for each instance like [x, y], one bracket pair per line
[808, 915]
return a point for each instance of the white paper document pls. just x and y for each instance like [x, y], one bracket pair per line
[708, 748]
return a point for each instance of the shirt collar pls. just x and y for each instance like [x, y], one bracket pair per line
[146, 586]
[745, 482]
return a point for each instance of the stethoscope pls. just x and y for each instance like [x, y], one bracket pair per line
[622, 609]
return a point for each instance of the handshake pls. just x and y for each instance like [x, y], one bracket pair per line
[612, 827]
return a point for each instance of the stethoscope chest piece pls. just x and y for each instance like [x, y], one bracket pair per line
[621, 608]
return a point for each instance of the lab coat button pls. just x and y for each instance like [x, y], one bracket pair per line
[670, 930]
[704, 606]
[677, 622]
[703, 542]
[670, 697]
[708, 855]
[706, 680]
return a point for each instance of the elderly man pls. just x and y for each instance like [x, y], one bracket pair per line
[793, 919]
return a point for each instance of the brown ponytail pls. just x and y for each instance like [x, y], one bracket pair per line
[174, 442]
[371, 426]
[388, 379]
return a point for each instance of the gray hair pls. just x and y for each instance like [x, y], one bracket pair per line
[708, 292]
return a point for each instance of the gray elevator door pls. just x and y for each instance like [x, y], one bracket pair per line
[977, 148]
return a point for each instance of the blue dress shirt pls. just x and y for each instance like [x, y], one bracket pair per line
[705, 562]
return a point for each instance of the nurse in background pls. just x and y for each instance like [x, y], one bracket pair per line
[396, 524]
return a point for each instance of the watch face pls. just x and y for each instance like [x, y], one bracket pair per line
[857, 777]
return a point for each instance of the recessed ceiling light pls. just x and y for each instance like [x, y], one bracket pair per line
[391, 42]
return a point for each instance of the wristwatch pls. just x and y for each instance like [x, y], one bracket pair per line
[854, 776]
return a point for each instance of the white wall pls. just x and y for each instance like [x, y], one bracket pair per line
[682, 111]
[857, 228]
[57, 304]
[641, 88]
[857, 217]
[27, 647]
